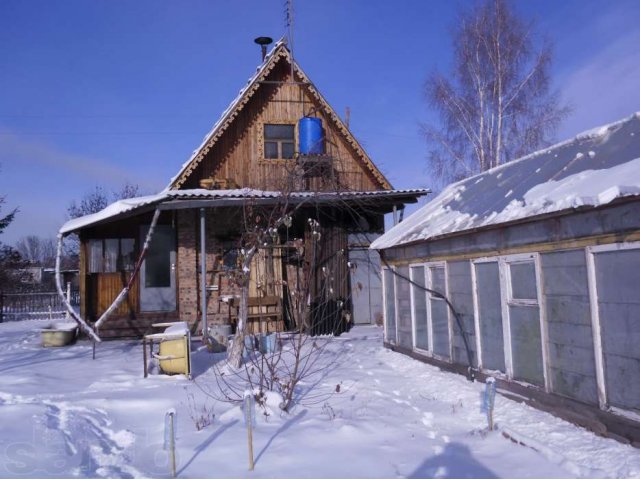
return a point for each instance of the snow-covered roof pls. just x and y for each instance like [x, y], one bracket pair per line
[279, 50]
[130, 205]
[117, 208]
[592, 169]
[251, 82]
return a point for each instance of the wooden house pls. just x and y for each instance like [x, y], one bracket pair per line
[250, 160]
[540, 259]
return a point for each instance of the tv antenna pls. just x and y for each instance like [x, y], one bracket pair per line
[288, 22]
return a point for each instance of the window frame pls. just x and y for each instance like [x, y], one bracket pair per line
[385, 300]
[413, 316]
[118, 260]
[262, 140]
[506, 300]
[428, 297]
[596, 328]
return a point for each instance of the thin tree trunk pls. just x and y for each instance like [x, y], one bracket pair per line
[235, 354]
[500, 77]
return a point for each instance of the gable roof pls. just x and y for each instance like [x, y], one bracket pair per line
[279, 51]
[592, 169]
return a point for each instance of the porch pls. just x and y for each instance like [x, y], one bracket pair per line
[191, 267]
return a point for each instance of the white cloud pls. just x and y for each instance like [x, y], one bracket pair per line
[16, 150]
[41, 180]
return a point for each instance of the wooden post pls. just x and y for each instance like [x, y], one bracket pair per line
[66, 314]
[249, 420]
[144, 356]
[172, 444]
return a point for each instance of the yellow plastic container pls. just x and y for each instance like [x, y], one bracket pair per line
[174, 356]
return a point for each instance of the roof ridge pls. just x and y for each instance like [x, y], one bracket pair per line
[228, 115]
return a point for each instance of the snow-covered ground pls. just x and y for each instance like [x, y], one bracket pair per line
[63, 414]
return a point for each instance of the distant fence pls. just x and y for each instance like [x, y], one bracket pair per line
[19, 306]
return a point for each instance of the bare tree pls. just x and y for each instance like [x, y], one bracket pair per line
[98, 199]
[497, 104]
[37, 250]
[293, 367]
[128, 190]
[92, 202]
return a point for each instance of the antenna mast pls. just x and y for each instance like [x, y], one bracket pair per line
[289, 26]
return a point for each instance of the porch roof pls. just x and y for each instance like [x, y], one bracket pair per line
[382, 200]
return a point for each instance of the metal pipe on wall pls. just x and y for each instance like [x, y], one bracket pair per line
[203, 275]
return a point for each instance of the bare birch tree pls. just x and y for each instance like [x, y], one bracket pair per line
[497, 103]
[37, 250]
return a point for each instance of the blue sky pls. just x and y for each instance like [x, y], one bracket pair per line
[103, 92]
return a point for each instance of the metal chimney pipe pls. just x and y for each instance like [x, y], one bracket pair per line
[263, 42]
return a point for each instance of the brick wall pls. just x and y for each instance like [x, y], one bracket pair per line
[189, 269]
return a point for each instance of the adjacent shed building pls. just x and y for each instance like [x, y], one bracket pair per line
[540, 258]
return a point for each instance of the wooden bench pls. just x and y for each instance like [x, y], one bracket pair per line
[265, 314]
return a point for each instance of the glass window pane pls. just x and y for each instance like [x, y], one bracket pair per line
[437, 279]
[95, 256]
[526, 344]
[440, 325]
[279, 132]
[420, 308]
[523, 281]
[270, 150]
[110, 254]
[127, 260]
[403, 308]
[390, 305]
[618, 288]
[287, 150]
[229, 256]
[490, 315]
[158, 261]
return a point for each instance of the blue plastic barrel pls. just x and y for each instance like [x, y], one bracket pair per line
[310, 136]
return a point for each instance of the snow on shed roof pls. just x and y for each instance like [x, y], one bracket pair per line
[592, 169]
[130, 205]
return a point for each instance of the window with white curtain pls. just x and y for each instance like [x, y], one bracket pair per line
[111, 255]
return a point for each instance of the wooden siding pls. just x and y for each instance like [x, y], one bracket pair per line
[98, 290]
[332, 274]
[109, 286]
[238, 154]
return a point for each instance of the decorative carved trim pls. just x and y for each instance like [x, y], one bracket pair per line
[260, 130]
[281, 52]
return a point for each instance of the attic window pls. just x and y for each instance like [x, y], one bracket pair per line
[279, 141]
